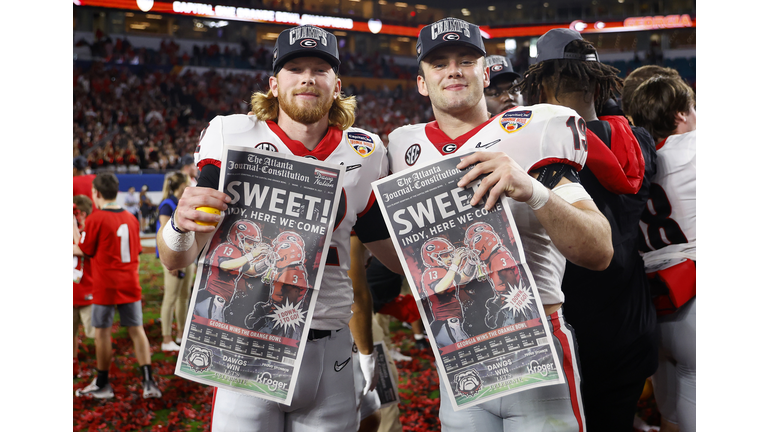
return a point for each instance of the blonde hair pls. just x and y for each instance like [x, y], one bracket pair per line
[265, 106]
[172, 182]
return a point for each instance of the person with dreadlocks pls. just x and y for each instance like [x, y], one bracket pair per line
[610, 310]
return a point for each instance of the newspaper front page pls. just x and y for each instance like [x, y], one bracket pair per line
[258, 277]
[475, 292]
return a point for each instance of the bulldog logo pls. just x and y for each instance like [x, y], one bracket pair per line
[468, 383]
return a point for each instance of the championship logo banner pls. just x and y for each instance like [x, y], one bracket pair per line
[259, 275]
[513, 121]
[475, 292]
[361, 143]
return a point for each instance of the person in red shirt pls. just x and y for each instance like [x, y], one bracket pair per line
[81, 182]
[112, 243]
[82, 288]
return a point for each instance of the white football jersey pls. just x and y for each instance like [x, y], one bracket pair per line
[669, 220]
[534, 136]
[365, 158]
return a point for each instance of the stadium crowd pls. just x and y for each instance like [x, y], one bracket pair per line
[128, 121]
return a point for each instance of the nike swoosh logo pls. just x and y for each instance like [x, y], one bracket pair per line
[338, 367]
[486, 145]
[353, 167]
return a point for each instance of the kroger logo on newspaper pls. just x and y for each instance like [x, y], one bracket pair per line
[544, 369]
[266, 378]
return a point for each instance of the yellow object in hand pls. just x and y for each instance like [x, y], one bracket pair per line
[210, 210]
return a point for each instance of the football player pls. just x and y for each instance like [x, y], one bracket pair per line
[613, 304]
[242, 250]
[288, 287]
[442, 263]
[303, 113]
[556, 218]
[665, 105]
[499, 263]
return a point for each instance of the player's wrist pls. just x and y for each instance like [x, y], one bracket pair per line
[540, 195]
[176, 240]
[174, 226]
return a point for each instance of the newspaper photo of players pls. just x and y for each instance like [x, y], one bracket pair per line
[258, 276]
[475, 292]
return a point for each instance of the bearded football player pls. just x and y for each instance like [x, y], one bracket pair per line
[303, 113]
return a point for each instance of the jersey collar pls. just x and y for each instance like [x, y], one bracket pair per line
[323, 149]
[661, 143]
[438, 138]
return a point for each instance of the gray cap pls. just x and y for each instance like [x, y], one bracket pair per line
[305, 41]
[448, 31]
[552, 45]
[499, 66]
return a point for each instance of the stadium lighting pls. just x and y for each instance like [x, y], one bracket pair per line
[491, 8]
[374, 25]
[401, 4]
[465, 12]
[145, 5]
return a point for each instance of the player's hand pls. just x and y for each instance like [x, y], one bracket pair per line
[370, 371]
[505, 176]
[193, 197]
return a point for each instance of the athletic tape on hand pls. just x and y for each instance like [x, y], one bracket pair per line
[176, 241]
[540, 195]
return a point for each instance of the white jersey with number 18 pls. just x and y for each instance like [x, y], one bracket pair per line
[669, 220]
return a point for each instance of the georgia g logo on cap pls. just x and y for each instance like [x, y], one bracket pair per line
[496, 68]
[451, 37]
[308, 43]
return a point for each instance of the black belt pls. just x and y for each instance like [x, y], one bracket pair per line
[319, 334]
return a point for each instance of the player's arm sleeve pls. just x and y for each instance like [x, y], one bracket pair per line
[210, 147]
[563, 140]
[371, 226]
[209, 176]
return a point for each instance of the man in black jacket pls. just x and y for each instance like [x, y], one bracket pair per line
[610, 310]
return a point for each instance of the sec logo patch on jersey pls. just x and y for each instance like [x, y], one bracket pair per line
[513, 121]
[412, 154]
[361, 143]
[266, 146]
